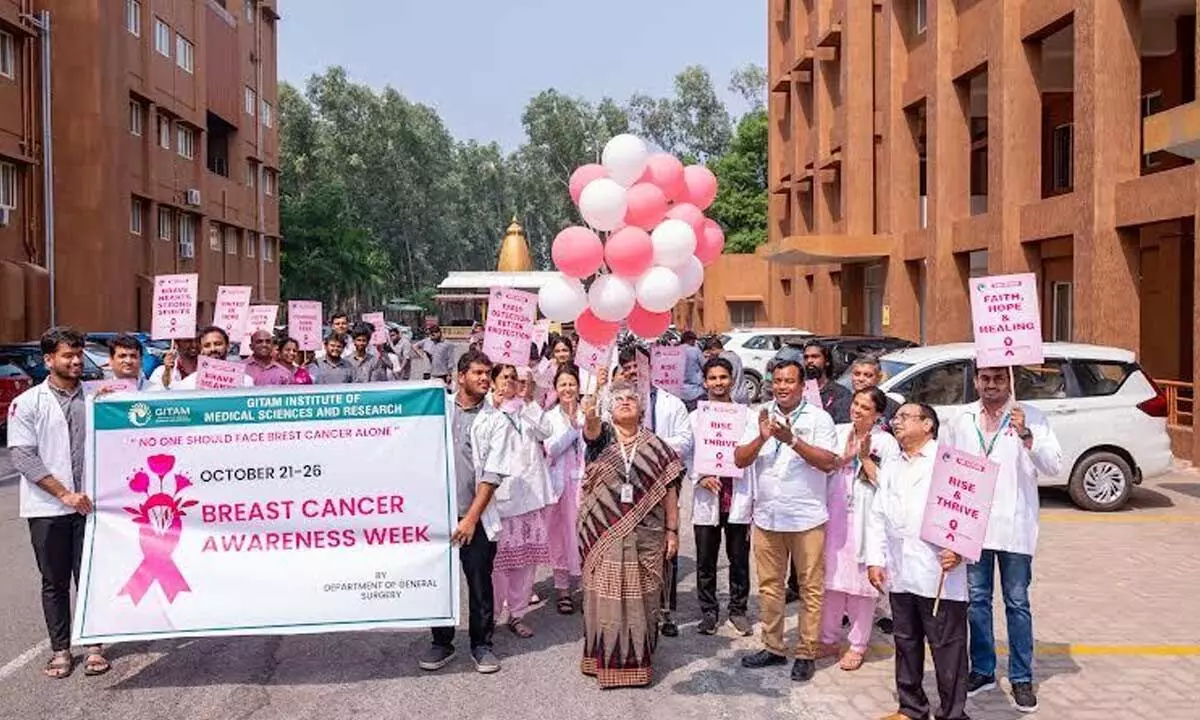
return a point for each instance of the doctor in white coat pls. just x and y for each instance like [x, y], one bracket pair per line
[47, 431]
[565, 455]
[1018, 439]
[721, 504]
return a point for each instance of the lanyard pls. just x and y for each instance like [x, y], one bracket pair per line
[791, 418]
[988, 447]
[515, 423]
[628, 458]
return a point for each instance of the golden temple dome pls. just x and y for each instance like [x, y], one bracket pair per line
[514, 250]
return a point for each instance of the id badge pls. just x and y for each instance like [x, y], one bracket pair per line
[627, 493]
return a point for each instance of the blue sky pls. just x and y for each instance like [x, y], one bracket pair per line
[479, 61]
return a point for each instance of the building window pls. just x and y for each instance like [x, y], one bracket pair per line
[136, 114]
[1061, 310]
[251, 11]
[1063, 157]
[187, 141]
[251, 101]
[742, 314]
[187, 236]
[185, 53]
[269, 182]
[266, 113]
[268, 249]
[164, 223]
[136, 209]
[251, 174]
[921, 12]
[251, 239]
[164, 131]
[977, 264]
[214, 237]
[162, 37]
[230, 241]
[1152, 103]
[8, 55]
[8, 185]
[133, 17]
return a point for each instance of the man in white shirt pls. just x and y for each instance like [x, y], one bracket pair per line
[178, 363]
[214, 343]
[792, 450]
[1019, 440]
[899, 560]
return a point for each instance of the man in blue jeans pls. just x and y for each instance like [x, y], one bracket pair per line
[1018, 439]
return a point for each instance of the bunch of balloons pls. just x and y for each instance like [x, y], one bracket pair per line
[645, 246]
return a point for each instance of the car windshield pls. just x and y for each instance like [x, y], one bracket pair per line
[892, 368]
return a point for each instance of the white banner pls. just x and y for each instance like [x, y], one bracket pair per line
[269, 511]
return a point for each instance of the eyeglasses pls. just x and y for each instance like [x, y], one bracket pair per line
[618, 399]
[902, 416]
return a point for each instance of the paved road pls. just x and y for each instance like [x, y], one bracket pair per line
[1111, 599]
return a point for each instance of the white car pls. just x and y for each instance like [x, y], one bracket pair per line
[1108, 415]
[756, 347]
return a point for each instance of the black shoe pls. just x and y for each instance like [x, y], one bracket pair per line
[762, 659]
[486, 661]
[977, 683]
[1024, 698]
[845, 621]
[669, 628]
[742, 624]
[436, 657]
[885, 625]
[708, 625]
[792, 596]
[803, 670]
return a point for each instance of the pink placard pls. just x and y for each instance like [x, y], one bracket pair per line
[509, 329]
[959, 502]
[666, 368]
[541, 332]
[112, 385]
[643, 381]
[719, 427]
[175, 298]
[1007, 321]
[591, 358]
[543, 375]
[260, 317]
[380, 335]
[214, 374]
[812, 393]
[232, 309]
[304, 323]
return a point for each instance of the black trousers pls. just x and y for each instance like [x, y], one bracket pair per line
[58, 548]
[737, 550]
[947, 636]
[477, 558]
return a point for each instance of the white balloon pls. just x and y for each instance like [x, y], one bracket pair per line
[691, 276]
[659, 289]
[562, 299]
[625, 158]
[674, 242]
[611, 298]
[602, 204]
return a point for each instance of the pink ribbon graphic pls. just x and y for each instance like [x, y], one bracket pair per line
[157, 544]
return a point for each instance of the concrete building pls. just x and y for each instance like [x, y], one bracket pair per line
[165, 157]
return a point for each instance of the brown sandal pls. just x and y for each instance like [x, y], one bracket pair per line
[95, 663]
[519, 628]
[60, 666]
[852, 661]
[566, 606]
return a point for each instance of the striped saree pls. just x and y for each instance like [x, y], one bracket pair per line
[623, 547]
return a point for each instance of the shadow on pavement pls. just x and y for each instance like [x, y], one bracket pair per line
[1191, 489]
[1142, 498]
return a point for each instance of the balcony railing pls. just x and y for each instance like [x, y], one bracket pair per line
[1181, 402]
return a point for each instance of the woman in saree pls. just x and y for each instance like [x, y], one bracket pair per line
[628, 530]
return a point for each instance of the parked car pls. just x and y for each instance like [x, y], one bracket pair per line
[13, 382]
[756, 347]
[845, 349]
[98, 354]
[1108, 415]
[28, 357]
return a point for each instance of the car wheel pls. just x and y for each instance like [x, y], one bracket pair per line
[1101, 482]
[751, 386]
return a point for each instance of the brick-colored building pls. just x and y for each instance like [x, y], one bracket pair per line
[165, 156]
[917, 143]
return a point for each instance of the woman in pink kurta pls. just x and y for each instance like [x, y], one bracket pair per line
[851, 487]
[564, 453]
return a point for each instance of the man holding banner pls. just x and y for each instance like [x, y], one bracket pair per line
[920, 576]
[213, 343]
[1019, 440]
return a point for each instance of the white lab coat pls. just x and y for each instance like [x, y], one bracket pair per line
[480, 440]
[564, 450]
[35, 419]
[883, 446]
[894, 530]
[514, 452]
[1013, 525]
[706, 505]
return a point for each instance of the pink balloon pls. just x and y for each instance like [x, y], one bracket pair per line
[646, 324]
[690, 214]
[594, 330]
[666, 172]
[645, 205]
[710, 243]
[577, 252]
[629, 252]
[583, 175]
[701, 185]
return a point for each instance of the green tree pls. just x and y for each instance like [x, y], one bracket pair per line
[750, 83]
[741, 204]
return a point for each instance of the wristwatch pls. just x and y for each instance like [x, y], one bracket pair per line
[1025, 434]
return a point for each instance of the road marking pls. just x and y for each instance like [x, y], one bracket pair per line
[23, 659]
[1121, 518]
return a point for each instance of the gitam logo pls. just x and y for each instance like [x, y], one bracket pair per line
[139, 414]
